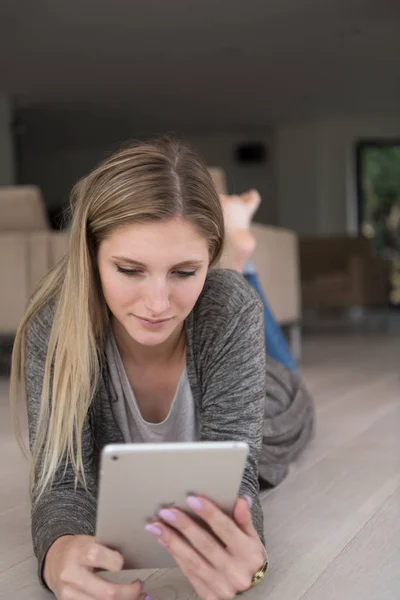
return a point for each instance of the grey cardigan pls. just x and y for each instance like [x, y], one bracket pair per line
[227, 373]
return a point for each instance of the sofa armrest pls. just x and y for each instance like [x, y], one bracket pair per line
[22, 209]
[14, 280]
[276, 259]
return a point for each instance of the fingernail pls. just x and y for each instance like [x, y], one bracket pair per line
[153, 529]
[249, 500]
[194, 503]
[162, 543]
[148, 597]
[167, 515]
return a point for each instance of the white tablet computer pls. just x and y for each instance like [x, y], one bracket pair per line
[137, 480]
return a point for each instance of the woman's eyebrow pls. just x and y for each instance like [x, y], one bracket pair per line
[186, 263]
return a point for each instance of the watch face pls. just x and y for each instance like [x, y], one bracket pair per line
[259, 576]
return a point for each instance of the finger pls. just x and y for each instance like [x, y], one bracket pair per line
[176, 545]
[97, 556]
[200, 587]
[221, 524]
[204, 542]
[99, 588]
[207, 582]
[243, 518]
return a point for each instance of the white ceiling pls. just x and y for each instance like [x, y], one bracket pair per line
[225, 64]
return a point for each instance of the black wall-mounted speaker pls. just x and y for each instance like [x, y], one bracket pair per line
[251, 153]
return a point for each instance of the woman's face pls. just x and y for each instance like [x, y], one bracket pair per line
[152, 275]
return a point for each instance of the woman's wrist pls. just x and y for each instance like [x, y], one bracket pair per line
[51, 558]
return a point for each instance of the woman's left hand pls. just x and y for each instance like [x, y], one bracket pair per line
[216, 572]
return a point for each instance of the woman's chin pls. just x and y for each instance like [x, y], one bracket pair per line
[148, 338]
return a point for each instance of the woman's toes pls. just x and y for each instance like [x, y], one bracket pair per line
[252, 200]
[239, 210]
[236, 213]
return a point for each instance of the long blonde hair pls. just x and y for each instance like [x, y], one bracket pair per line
[147, 181]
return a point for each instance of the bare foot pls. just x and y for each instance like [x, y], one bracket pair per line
[240, 242]
[237, 250]
[239, 210]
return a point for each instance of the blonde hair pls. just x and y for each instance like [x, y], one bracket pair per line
[148, 181]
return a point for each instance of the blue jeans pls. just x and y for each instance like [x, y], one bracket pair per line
[275, 342]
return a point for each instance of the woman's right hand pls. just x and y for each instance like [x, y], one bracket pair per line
[69, 571]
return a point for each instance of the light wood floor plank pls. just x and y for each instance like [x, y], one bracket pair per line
[15, 536]
[369, 564]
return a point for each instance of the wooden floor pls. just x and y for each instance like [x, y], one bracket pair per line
[332, 528]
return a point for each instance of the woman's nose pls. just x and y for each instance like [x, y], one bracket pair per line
[157, 300]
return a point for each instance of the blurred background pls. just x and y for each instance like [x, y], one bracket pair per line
[300, 100]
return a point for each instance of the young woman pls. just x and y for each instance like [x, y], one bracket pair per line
[134, 337]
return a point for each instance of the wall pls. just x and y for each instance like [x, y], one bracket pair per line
[218, 151]
[315, 177]
[7, 174]
[296, 165]
[55, 159]
[56, 169]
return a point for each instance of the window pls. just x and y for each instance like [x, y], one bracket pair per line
[378, 190]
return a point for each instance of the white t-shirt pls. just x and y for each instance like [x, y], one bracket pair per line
[181, 423]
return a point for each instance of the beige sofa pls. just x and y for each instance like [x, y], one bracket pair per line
[29, 249]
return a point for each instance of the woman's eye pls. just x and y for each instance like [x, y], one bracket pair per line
[185, 273]
[130, 272]
[133, 272]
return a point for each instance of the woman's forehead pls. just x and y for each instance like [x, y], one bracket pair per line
[161, 241]
[162, 228]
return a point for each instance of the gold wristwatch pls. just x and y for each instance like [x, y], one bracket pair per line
[258, 576]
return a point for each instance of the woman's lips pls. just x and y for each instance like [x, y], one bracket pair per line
[151, 324]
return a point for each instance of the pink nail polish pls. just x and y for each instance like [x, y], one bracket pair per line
[194, 503]
[153, 529]
[167, 515]
[148, 597]
[164, 544]
[249, 500]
